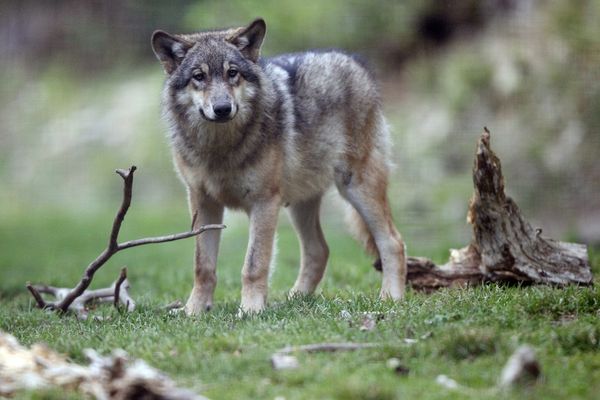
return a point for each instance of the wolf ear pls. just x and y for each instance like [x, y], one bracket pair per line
[169, 49]
[249, 39]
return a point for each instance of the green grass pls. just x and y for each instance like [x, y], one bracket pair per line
[465, 334]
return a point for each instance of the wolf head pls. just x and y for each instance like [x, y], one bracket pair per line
[212, 74]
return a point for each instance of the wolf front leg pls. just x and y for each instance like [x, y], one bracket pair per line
[205, 210]
[255, 272]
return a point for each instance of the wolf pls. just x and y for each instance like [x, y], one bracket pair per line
[259, 134]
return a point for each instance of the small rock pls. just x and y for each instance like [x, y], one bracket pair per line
[446, 382]
[344, 314]
[284, 361]
[396, 365]
[368, 323]
[393, 363]
[521, 367]
[426, 335]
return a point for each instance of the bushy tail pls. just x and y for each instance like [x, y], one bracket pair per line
[361, 232]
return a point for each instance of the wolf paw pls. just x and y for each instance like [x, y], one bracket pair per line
[196, 309]
[297, 292]
[248, 308]
[195, 306]
[389, 294]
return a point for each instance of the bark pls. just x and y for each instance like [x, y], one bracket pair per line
[505, 247]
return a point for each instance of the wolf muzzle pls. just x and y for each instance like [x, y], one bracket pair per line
[220, 111]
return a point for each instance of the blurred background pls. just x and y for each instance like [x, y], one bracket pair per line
[80, 88]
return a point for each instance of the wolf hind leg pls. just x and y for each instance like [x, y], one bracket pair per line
[361, 232]
[314, 251]
[365, 189]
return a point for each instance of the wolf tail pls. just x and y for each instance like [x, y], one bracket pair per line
[361, 232]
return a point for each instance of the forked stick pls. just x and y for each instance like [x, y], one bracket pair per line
[62, 305]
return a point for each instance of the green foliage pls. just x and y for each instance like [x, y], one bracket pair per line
[314, 24]
[463, 79]
[469, 344]
[580, 338]
[556, 304]
[575, 22]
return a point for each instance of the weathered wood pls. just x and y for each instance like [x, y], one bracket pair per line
[505, 247]
[114, 376]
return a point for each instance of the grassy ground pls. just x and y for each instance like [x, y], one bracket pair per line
[465, 334]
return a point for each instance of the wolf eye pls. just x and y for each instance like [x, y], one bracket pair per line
[199, 76]
[232, 73]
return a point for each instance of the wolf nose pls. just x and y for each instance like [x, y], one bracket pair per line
[222, 109]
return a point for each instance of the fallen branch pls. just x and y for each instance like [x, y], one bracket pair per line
[81, 303]
[68, 297]
[505, 247]
[326, 347]
[34, 292]
[116, 376]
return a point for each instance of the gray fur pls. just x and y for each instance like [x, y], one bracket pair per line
[299, 123]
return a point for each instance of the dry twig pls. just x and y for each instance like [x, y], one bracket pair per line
[327, 347]
[67, 299]
[118, 284]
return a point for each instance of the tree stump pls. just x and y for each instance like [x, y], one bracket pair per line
[505, 247]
